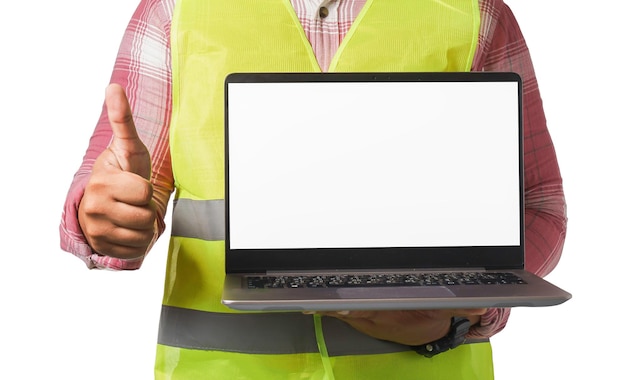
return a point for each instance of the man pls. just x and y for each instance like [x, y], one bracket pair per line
[167, 135]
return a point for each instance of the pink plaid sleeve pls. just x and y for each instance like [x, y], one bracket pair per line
[142, 67]
[546, 218]
[502, 48]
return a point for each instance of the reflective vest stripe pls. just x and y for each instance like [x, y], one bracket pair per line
[265, 333]
[200, 219]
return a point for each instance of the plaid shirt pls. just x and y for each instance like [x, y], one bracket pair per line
[143, 68]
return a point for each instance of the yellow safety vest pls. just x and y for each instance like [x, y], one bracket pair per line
[199, 338]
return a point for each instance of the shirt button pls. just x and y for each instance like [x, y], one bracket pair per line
[323, 12]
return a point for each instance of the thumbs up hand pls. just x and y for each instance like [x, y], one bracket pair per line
[128, 150]
[117, 213]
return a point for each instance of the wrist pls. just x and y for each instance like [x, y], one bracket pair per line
[474, 319]
[457, 332]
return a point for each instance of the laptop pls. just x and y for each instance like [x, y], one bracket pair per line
[367, 191]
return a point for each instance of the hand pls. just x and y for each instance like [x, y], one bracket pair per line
[117, 213]
[409, 327]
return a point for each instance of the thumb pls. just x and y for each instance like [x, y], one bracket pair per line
[131, 154]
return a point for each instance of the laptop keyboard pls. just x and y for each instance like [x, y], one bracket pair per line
[367, 280]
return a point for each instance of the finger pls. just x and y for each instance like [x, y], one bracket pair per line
[131, 238]
[127, 244]
[468, 312]
[336, 314]
[130, 152]
[119, 113]
[111, 183]
[104, 215]
[106, 237]
[131, 190]
[351, 314]
[127, 216]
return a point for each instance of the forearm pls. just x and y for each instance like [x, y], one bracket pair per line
[142, 68]
[490, 323]
[504, 49]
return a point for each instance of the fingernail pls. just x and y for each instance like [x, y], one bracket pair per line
[343, 312]
[308, 312]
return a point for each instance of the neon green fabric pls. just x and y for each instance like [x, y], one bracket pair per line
[212, 38]
[466, 362]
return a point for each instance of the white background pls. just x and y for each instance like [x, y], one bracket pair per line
[60, 320]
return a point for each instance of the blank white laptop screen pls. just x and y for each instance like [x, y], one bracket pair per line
[377, 164]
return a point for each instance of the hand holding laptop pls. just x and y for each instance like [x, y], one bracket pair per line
[410, 327]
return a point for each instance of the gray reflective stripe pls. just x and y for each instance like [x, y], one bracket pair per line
[198, 219]
[264, 333]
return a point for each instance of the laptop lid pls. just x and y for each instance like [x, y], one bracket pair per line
[328, 171]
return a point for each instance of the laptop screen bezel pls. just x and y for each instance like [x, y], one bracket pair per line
[263, 260]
